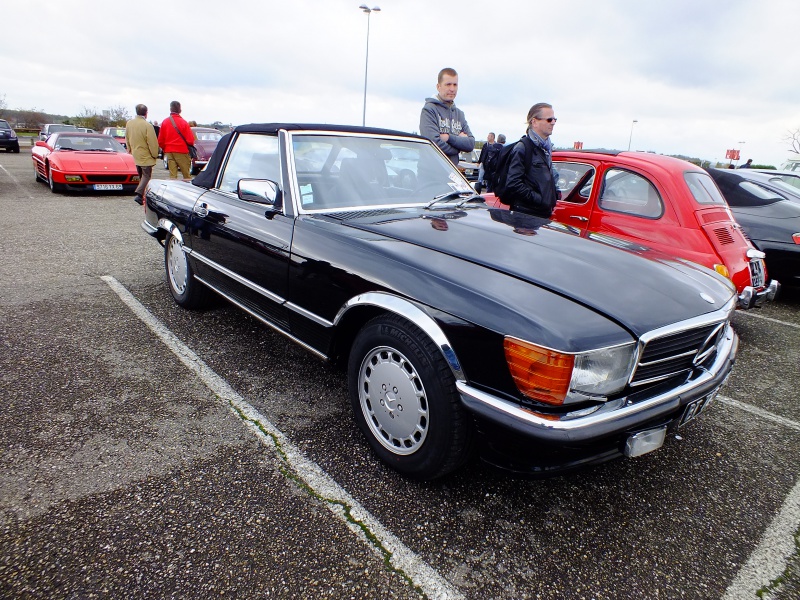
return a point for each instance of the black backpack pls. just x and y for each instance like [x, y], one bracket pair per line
[490, 162]
[500, 175]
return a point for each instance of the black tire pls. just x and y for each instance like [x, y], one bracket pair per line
[54, 187]
[185, 289]
[16, 150]
[405, 400]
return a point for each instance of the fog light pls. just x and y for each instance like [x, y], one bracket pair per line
[645, 441]
[73, 177]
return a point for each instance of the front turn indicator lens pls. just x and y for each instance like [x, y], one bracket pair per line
[539, 373]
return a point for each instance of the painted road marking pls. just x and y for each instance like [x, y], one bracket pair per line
[769, 559]
[348, 509]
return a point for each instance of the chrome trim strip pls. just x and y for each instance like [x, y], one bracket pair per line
[262, 319]
[308, 314]
[671, 357]
[573, 428]
[413, 313]
[239, 279]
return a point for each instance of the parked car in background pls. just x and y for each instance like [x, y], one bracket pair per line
[791, 178]
[458, 325]
[793, 164]
[84, 161]
[468, 164]
[85, 130]
[118, 133]
[51, 128]
[663, 203]
[769, 213]
[206, 140]
[8, 137]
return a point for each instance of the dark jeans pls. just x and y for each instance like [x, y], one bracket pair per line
[146, 173]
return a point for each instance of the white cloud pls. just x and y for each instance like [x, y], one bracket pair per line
[699, 76]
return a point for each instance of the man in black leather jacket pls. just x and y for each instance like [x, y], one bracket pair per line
[531, 179]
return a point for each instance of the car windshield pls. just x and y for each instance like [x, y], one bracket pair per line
[4, 125]
[94, 143]
[341, 172]
[702, 187]
[116, 132]
[207, 136]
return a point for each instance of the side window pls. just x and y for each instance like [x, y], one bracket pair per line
[572, 176]
[630, 193]
[252, 156]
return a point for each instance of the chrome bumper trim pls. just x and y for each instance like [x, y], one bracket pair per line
[750, 298]
[609, 419]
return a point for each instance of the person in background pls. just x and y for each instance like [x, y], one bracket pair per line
[442, 122]
[174, 138]
[486, 162]
[531, 179]
[748, 164]
[142, 143]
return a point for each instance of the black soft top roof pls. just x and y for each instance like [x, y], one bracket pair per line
[207, 176]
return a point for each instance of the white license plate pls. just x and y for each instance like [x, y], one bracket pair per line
[757, 273]
[107, 186]
[698, 406]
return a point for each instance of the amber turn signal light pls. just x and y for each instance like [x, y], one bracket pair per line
[539, 373]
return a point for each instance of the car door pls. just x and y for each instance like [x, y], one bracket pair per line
[575, 183]
[242, 246]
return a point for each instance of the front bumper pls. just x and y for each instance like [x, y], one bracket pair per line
[663, 403]
[750, 297]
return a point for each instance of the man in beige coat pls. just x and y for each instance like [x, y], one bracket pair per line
[143, 145]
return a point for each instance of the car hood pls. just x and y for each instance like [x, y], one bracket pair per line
[77, 160]
[626, 282]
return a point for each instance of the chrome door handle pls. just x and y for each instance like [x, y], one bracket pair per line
[201, 210]
[584, 219]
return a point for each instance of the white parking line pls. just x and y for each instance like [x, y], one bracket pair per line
[748, 313]
[16, 182]
[340, 503]
[768, 561]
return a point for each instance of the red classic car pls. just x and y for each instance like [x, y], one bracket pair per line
[205, 140]
[666, 204]
[84, 161]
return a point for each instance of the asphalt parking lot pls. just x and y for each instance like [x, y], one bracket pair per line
[151, 452]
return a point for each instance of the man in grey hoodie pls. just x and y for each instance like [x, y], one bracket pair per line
[442, 122]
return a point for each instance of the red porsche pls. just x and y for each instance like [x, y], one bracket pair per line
[84, 161]
[663, 203]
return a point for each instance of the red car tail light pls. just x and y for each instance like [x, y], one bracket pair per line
[796, 238]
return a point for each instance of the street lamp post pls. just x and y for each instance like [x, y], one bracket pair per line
[630, 139]
[368, 12]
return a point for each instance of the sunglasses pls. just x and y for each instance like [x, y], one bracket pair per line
[548, 119]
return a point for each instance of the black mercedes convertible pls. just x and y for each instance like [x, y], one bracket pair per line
[462, 328]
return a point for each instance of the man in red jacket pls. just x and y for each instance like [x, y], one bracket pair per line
[174, 139]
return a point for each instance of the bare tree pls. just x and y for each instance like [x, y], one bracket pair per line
[3, 105]
[88, 117]
[793, 137]
[118, 116]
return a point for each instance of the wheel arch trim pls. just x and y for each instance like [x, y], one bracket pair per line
[413, 313]
[171, 228]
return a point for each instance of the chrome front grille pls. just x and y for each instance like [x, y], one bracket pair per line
[679, 352]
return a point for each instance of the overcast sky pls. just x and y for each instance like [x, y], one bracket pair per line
[698, 76]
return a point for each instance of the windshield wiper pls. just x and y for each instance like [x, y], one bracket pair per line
[474, 198]
[449, 196]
